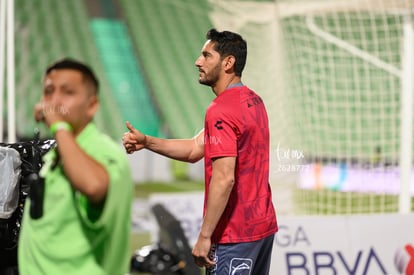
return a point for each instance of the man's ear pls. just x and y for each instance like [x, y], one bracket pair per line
[228, 62]
[93, 105]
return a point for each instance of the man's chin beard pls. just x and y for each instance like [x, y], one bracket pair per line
[205, 82]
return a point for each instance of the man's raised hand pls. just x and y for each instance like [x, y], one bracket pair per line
[133, 140]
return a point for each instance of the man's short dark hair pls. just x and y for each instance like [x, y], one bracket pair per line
[229, 43]
[72, 64]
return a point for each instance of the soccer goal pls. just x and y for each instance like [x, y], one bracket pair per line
[337, 77]
[7, 68]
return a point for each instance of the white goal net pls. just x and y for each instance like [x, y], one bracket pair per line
[335, 76]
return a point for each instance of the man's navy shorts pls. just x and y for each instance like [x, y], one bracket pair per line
[250, 258]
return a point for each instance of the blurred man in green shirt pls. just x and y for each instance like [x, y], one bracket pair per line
[83, 225]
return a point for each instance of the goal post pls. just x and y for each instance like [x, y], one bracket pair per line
[407, 90]
[337, 80]
[7, 68]
[361, 44]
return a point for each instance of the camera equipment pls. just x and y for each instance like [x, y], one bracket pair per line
[171, 255]
[20, 164]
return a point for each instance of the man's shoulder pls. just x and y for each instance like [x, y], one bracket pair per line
[98, 143]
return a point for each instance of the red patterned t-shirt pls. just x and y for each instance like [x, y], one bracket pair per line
[236, 125]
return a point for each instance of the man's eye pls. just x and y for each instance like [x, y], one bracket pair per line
[47, 91]
[68, 92]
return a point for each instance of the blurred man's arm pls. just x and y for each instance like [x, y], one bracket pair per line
[85, 174]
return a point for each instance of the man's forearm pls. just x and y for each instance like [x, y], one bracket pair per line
[188, 150]
[219, 194]
[221, 185]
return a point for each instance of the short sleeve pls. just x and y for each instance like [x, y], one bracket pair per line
[221, 137]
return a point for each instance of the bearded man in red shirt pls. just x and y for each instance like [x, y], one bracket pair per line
[239, 220]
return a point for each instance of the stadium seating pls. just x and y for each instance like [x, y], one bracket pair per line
[128, 86]
[167, 41]
[46, 30]
[168, 36]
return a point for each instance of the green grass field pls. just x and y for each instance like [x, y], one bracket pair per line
[144, 190]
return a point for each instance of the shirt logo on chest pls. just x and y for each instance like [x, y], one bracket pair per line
[218, 125]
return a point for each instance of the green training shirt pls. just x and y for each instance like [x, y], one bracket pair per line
[73, 236]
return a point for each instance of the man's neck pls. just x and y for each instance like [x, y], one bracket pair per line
[225, 84]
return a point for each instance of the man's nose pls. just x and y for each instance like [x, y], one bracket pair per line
[198, 62]
[56, 98]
